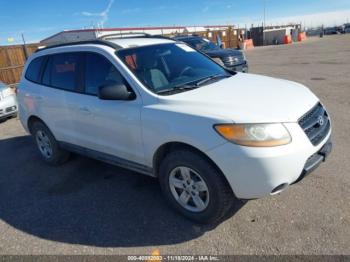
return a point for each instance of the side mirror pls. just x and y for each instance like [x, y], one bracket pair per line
[114, 91]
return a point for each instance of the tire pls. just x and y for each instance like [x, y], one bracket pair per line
[47, 145]
[217, 200]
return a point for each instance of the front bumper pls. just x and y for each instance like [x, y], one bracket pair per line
[314, 161]
[257, 172]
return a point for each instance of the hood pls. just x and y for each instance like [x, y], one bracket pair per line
[223, 53]
[247, 98]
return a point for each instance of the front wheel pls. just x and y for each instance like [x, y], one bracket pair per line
[194, 187]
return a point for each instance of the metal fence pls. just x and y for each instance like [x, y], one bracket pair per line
[230, 37]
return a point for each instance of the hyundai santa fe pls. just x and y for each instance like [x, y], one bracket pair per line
[159, 107]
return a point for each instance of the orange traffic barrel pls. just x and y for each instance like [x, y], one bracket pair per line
[287, 39]
[301, 36]
[249, 43]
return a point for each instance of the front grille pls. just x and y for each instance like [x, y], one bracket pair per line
[315, 124]
[232, 60]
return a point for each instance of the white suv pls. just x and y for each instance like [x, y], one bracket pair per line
[163, 109]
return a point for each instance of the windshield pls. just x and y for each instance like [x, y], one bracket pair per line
[201, 44]
[165, 67]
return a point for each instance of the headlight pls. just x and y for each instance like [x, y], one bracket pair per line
[255, 135]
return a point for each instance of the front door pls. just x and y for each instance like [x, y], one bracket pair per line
[108, 126]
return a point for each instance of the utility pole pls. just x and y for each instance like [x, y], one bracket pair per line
[24, 47]
[264, 13]
[264, 24]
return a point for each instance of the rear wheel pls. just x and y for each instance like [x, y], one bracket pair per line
[194, 187]
[48, 146]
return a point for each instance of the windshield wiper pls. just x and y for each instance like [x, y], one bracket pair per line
[192, 84]
[209, 78]
[177, 89]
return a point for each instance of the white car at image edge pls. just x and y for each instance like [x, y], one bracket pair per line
[158, 107]
[8, 102]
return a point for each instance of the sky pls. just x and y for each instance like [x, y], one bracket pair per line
[38, 19]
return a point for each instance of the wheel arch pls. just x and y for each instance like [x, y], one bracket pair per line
[31, 120]
[169, 147]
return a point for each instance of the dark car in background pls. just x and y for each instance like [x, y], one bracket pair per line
[347, 28]
[331, 31]
[230, 58]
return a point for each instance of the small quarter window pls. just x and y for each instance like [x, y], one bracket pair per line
[33, 70]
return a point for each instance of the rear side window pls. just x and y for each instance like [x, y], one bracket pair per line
[62, 71]
[33, 70]
[99, 71]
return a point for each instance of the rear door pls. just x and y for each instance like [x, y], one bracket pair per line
[59, 94]
[108, 126]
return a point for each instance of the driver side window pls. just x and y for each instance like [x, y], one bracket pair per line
[99, 71]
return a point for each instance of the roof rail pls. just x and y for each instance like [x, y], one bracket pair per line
[187, 35]
[96, 42]
[162, 36]
[123, 35]
[131, 35]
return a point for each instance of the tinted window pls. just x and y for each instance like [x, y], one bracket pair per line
[99, 71]
[33, 70]
[62, 71]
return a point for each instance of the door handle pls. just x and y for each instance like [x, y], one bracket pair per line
[38, 97]
[85, 110]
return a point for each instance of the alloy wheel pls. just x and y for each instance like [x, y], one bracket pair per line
[189, 189]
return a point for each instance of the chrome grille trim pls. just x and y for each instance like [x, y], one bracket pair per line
[316, 124]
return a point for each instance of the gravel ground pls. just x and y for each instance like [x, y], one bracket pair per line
[88, 207]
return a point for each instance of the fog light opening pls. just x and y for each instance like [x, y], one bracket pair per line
[279, 188]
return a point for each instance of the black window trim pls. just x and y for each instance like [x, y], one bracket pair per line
[42, 70]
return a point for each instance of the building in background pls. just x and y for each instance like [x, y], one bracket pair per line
[274, 35]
